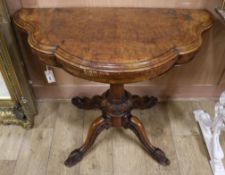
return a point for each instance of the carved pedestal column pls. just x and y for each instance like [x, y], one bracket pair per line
[116, 105]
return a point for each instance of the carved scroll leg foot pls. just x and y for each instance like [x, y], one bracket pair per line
[137, 127]
[88, 103]
[143, 102]
[96, 128]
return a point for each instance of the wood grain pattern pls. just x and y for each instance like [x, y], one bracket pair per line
[177, 83]
[116, 105]
[7, 167]
[157, 120]
[206, 67]
[180, 117]
[69, 120]
[107, 44]
[120, 151]
[10, 142]
[192, 155]
[188, 143]
[116, 46]
[170, 85]
[46, 117]
[123, 162]
[33, 157]
[96, 163]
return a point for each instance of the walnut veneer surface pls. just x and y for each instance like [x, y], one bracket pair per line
[114, 45]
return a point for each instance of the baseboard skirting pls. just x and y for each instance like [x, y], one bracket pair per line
[67, 92]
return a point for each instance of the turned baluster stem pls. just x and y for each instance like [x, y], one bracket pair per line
[116, 91]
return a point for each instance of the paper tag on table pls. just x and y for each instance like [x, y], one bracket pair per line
[50, 76]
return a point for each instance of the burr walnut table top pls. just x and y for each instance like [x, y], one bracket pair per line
[114, 45]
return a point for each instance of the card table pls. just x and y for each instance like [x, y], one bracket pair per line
[114, 46]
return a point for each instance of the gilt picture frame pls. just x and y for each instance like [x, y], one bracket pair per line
[20, 108]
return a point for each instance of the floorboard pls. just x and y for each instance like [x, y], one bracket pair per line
[60, 127]
[7, 167]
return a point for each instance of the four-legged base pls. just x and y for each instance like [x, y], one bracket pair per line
[116, 105]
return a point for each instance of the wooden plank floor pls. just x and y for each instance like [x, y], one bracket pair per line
[61, 127]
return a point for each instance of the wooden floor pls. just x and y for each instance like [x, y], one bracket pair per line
[60, 127]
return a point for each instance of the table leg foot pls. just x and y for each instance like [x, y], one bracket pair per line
[96, 128]
[137, 127]
[74, 158]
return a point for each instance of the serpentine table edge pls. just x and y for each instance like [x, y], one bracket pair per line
[115, 46]
[127, 55]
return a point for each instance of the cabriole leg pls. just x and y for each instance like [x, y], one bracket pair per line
[96, 128]
[137, 127]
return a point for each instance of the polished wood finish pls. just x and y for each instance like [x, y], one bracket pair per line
[177, 83]
[148, 52]
[115, 46]
[97, 126]
[116, 105]
[137, 127]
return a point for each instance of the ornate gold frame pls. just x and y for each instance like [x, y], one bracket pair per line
[21, 108]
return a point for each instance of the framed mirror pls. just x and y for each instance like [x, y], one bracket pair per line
[16, 100]
[4, 93]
